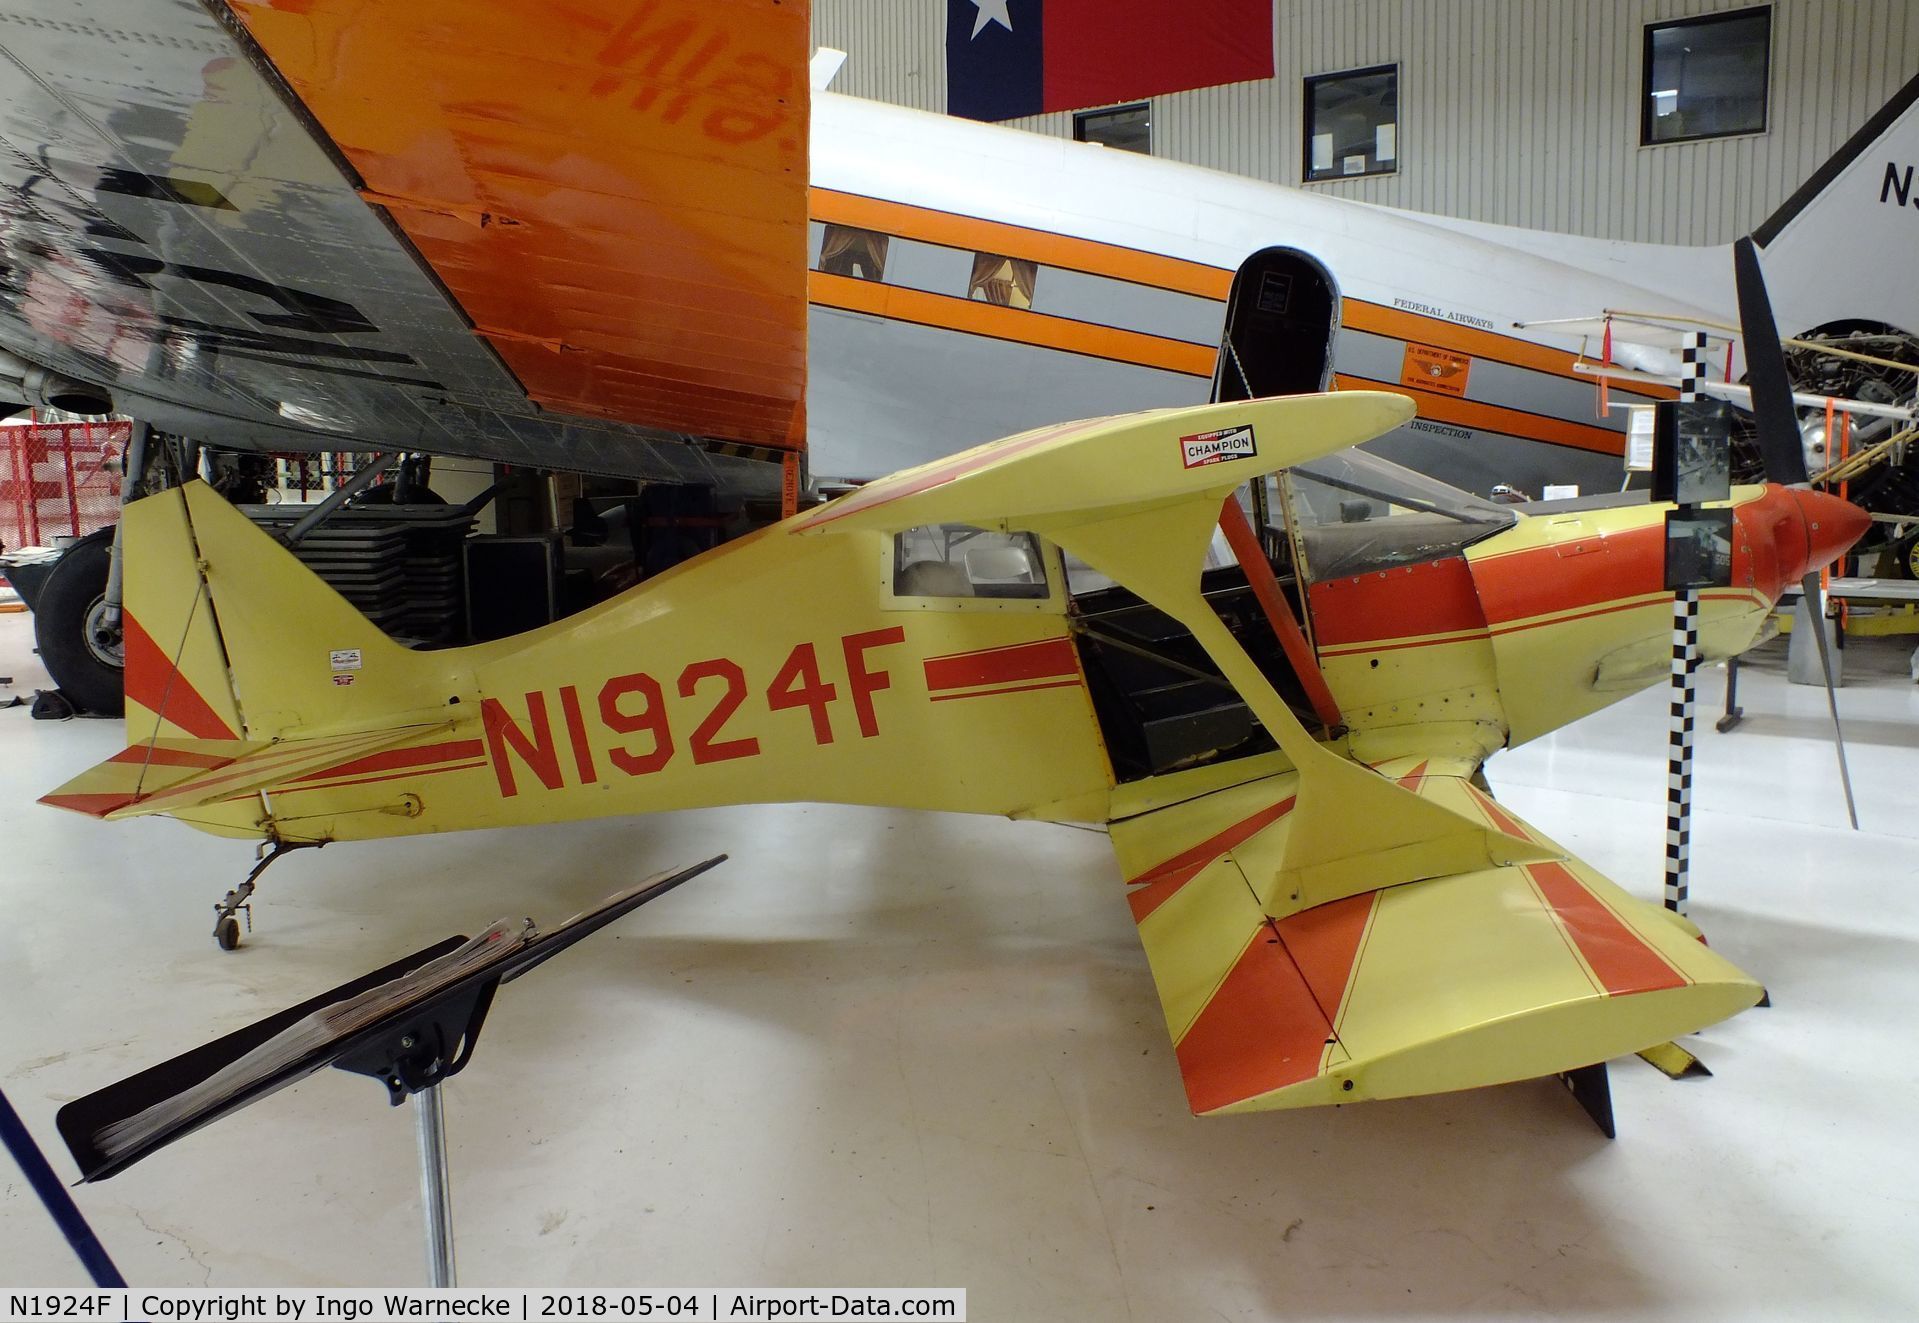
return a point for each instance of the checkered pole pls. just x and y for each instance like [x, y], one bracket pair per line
[1685, 668]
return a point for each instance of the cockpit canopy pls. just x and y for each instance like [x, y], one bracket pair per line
[1356, 512]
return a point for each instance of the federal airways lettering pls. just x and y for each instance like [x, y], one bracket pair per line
[634, 709]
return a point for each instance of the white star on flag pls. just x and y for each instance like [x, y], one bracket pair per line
[991, 11]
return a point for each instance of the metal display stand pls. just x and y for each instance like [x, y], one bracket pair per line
[411, 1025]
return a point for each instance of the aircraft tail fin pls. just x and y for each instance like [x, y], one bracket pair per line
[177, 683]
[1832, 251]
[231, 637]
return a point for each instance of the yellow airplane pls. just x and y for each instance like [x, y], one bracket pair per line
[1283, 728]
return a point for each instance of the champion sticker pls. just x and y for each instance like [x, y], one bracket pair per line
[343, 679]
[345, 659]
[1217, 447]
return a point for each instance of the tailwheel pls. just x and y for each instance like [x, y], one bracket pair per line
[226, 915]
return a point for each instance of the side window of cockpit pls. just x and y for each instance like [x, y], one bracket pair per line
[957, 560]
[861, 254]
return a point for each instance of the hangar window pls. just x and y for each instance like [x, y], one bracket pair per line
[1007, 281]
[845, 251]
[1129, 128]
[1352, 123]
[1706, 77]
[958, 560]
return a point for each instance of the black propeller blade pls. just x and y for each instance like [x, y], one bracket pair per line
[1816, 610]
[1773, 414]
[1777, 422]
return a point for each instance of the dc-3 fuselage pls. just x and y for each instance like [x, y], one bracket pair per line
[1331, 908]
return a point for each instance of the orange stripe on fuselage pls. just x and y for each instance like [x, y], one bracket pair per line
[1406, 601]
[1042, 246]
[1496, 417]
[1020, 661]
[1418, 328]
[1181, 276]
[999, 322]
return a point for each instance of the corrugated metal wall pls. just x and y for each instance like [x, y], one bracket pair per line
[1521, 112]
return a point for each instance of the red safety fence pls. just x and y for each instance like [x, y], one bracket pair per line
[59, 480]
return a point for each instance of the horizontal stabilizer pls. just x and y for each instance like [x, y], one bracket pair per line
[1470, 978]
[171, 776]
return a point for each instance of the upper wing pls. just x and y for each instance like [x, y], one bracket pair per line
[1463, 978]
[1165, 458]
[566, 235]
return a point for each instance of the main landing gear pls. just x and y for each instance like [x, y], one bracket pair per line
[226, 920]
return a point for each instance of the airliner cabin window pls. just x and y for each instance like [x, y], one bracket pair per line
[1352, 123]
[1129, 128]
[845, 251]
[1706, 77]
[1007, 281]
[957, 560]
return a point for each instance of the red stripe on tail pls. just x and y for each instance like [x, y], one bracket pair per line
[155, 683]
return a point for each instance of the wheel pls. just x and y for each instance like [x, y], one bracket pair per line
[227, 932]
[67, 627]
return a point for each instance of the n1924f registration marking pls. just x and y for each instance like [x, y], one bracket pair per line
[634, 708]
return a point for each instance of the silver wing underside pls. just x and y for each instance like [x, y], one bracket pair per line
[174, 233]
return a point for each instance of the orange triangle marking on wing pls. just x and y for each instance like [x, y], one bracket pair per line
[1160, 883]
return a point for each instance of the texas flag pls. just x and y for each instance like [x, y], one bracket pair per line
[1006, 58]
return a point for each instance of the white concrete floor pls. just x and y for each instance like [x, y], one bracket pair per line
[905, 1048]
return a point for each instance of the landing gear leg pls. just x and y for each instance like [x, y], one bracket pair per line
[226, 914]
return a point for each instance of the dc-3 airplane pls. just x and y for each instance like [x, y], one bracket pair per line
[1333, 911]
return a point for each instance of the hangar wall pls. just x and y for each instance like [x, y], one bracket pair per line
[1519, 112]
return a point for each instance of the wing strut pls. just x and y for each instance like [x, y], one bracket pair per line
[1259, 575]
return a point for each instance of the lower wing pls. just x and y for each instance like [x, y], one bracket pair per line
[1456, 980]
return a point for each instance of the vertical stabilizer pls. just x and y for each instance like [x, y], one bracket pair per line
[177, 682]
[1842, 247]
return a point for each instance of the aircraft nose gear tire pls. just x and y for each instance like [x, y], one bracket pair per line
[68, 628]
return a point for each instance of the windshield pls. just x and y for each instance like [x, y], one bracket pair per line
[1357, 512]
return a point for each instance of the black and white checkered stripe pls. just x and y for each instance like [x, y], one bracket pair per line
[1685, 663]
[1685, 667]
[1692, 364]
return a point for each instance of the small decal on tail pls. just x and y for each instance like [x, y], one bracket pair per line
[1217, 447]
[344, 659]
[343, 679]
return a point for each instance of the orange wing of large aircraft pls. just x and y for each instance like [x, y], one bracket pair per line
[614, 194]
[561, 235]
